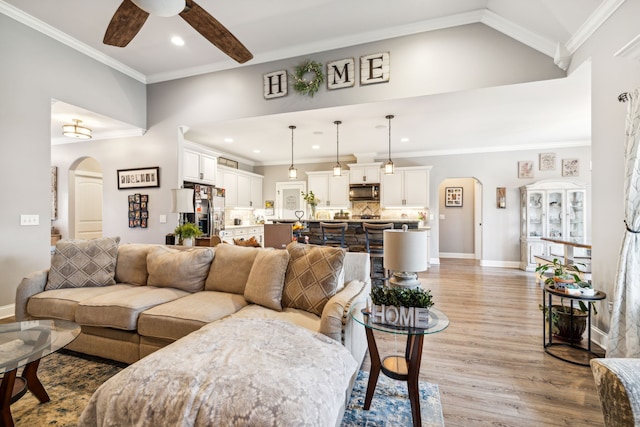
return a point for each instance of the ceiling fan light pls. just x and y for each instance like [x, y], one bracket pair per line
[76, 131]
[164, 8]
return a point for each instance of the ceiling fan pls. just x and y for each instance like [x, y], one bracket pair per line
[132, 14]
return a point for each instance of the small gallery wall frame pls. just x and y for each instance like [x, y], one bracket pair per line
[139, 178]
[570, 167]
[547, 161]
[453, 197]
[525, 169]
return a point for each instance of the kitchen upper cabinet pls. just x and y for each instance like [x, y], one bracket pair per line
[332, 191]
[198, 167]
[242, 189]
[406, 187]
[364, 173]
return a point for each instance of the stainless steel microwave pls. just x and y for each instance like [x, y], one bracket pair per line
[364, 192]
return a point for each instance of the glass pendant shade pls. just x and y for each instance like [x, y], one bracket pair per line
[388, 166]
[293, 172]
[337, 169]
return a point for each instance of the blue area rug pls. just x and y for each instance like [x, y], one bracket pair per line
[390, 405]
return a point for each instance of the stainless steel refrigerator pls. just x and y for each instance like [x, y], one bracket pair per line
[208, 203]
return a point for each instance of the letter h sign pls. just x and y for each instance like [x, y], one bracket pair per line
[275, 84]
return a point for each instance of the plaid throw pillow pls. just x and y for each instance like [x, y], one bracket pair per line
[312, 276]
[81, 263]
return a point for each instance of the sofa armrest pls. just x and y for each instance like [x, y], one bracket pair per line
[618, 384]
[335, 315]
[33, 284]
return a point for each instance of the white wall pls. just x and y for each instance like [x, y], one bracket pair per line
[456, 224]
[34, 70]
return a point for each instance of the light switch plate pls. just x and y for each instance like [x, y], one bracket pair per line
[441, 216]
[163, 219]
[29, 219]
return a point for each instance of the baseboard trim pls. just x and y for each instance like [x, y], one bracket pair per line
[502, 264]
[457, 255]
[598, 336]
[7, 311]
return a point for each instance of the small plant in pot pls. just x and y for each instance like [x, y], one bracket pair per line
[401, 307]
[562, 273]
[186, 232]
[561, 324]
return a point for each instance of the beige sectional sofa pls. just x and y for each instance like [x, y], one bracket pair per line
[154, 294]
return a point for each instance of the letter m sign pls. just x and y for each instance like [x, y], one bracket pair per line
[341, 74]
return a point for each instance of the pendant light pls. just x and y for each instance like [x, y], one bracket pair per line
[76, 131]
[293, 172]
[337, 169]
[388, 166]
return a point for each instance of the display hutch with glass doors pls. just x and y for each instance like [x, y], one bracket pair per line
[551, 209]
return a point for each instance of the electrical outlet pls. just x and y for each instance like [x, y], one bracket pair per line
[610, 306]
[29, 219]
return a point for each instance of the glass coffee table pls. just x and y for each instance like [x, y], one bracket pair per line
[400, 367]
[24, 344]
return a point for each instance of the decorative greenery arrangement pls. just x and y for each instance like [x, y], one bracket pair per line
[187, 230]
[400, 297]
[561, 272]
[310, 198]
[308, 87]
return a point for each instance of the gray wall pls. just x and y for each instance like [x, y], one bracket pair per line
[34, 70]
[456, 223]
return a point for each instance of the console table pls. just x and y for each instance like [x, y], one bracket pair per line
[547, 338]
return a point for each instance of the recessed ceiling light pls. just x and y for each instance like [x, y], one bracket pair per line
[404, 139]
[177, 40]
[315, 147]
[256, 151]
[318, 132]
[380, 127]
[228, 140]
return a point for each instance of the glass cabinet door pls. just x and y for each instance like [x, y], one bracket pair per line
[576, 215]
[535, 209]
[555, 214]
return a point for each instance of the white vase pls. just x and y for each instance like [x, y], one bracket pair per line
[187, 241]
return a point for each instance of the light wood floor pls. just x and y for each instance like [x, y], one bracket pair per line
[489, 363]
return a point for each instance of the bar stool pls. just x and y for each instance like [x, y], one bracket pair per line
[333, 233]
[374, 244]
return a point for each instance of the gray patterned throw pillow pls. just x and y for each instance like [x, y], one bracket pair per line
[82, 263]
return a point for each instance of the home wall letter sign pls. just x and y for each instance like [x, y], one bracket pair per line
[374, 68]
[341, 74]
[275, 84]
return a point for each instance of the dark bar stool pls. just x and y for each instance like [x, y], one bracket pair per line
[333, 233]
[374, 244]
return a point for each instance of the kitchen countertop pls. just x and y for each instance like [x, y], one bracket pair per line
[232, 227]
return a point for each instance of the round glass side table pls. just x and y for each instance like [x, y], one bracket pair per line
[400, 367]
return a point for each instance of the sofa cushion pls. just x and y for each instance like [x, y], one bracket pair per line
[230, 268]
[181, 269]
[182, 316]
[266, 279]
[293, 315]
[120, 309]
[62, 303]
[132, 263]
[80, 263]
[312, 276]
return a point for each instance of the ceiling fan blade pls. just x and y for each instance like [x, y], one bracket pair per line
[212, 30]
[125, 24]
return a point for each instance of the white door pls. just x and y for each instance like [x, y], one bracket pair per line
[289, 199]
[88, 205]
[477, 219]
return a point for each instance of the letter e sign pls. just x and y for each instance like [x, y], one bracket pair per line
[374, 68]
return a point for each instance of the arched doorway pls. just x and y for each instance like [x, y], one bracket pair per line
[460, 219]
[85, 199]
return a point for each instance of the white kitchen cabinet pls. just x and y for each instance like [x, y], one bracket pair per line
[406, 187]
[332, 191]
[364, 173]
[242, 189]
[244, 232]
[198, 167]
[550, 209]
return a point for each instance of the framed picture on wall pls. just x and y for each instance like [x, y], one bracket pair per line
[138, 178]
[525, 169]
[570, 167]
[453, 197]
[547, 161]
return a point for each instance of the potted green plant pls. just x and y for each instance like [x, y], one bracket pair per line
[186, 233]
[400, 306]
[562, 273]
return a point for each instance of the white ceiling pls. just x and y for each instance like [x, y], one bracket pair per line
[278, 29]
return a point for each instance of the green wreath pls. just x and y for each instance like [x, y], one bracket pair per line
[308, 87]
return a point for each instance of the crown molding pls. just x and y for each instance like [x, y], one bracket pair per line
[46, 29]
[519, 33]
[631, 50]
[591, 25]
